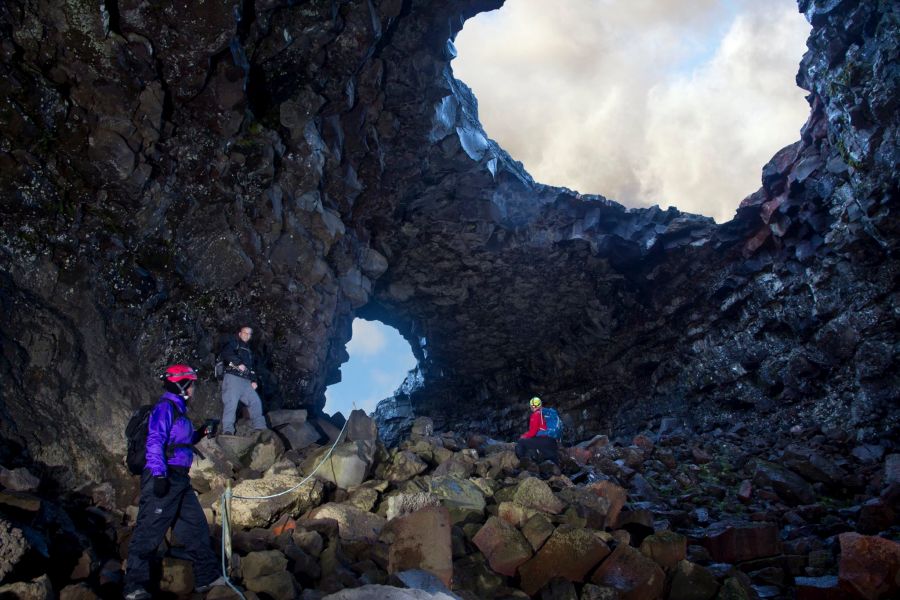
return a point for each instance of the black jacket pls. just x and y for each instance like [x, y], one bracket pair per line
[235, 353]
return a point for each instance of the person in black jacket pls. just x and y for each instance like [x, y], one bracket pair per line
[239, 383]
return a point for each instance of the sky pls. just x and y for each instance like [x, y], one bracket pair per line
[642, 101]
[379, 361]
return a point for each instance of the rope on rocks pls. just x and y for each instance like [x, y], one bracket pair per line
[227, 496]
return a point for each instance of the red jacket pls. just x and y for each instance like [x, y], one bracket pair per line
[535, 424]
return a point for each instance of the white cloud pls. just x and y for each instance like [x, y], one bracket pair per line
[367, 339]
[643, 101]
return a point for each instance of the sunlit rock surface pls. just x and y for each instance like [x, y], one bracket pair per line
[168, 173]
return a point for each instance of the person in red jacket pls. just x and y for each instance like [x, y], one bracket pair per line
[532, 445]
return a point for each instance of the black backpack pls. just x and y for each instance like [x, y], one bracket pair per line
[136, 436]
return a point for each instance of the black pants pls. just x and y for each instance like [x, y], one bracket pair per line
[538, 449]
[179, 509]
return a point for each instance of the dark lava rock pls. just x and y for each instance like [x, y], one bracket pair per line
[792, 488]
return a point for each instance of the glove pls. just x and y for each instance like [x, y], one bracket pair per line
[160, 486]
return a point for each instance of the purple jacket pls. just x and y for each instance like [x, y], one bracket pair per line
[166, 425]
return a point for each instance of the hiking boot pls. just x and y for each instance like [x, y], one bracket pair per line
[138, 594]
[202, 589]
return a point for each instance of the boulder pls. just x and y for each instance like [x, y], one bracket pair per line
[361, 427]
[403, 503]
[535, 493]
[458, 466]
[537, 530]
[819, 588]
[868, 453]
[267, 450]
[616, 496]
[570, 553]
[21, 501]
[892, 469]
[259, 564]
[666, 548]
[277, 418]
[77, 592]
[354, 524]
[461, 497]
[19, 480]
[347, 466]
[589, 591]
[13, 548]
[789, 486]
[238, 447]
[875, 516]
[503, 546]
[422, 427]
[498, 464]
[177, 577]
[38, 589]
[277, 586]
[310, 542]
[421, 540]
[515, 514]
[405, 466]
[588, 505]
[635, 576]
[692, 582]
[298, 435]
[212, 464]
[262, 513]
[869, 566]
[732, 543]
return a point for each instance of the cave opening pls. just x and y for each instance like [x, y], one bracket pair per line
[380, 359]
[645, 103]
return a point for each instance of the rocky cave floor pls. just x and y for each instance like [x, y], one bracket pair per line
[671, 513]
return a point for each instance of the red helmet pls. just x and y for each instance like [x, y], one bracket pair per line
[176, 373]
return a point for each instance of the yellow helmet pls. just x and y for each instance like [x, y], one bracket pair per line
[535, 402]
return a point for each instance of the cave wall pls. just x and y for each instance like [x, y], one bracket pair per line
[171, 171]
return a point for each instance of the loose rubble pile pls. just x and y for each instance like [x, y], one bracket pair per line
[670, 514]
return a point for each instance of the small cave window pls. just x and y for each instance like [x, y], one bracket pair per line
[656, 102]
[379, 361]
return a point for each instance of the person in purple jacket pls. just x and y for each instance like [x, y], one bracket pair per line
[167, 498]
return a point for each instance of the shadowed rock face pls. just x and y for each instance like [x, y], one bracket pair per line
[168, 173]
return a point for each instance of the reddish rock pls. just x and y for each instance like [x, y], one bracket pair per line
[570, 553]
[875, 515]
[666, 548]
[643, 442]
[285, 523]
[819, 588]
[503, 546]
[869, 566]
[741, 542]
[421, 540]
[616, 496]
[635, 576]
